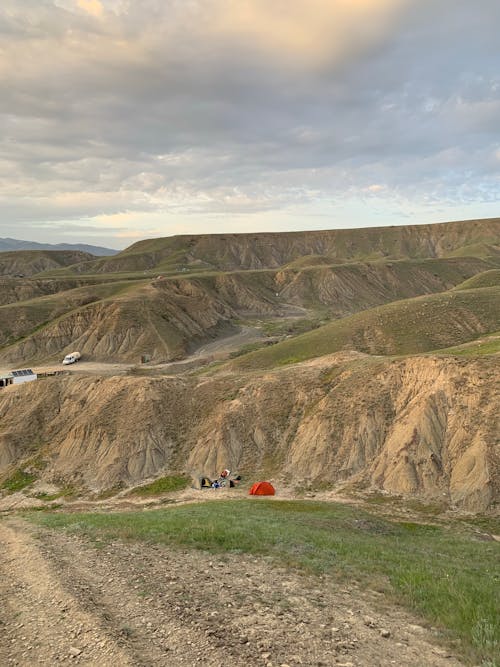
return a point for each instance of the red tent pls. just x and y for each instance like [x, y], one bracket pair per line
[262, 489]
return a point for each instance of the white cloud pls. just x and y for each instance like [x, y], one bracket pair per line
[304, 31]
[244, 107]
[93, 7]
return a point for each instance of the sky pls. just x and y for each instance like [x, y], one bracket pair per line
[129, 119]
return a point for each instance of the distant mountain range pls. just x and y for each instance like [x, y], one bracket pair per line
[15, 244]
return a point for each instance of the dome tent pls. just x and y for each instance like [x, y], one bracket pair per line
[262, 489]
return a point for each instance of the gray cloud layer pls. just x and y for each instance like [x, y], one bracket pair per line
[237, 106]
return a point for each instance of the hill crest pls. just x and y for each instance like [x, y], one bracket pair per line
[8, 244]
[271, 250]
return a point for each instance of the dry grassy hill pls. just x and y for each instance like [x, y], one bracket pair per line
[360, 400]
[230, 252]
[30, 262]
[422, 426]
[165, 318]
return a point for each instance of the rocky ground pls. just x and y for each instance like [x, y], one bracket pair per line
[65, 601]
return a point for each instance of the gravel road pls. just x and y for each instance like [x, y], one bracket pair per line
[63, 601]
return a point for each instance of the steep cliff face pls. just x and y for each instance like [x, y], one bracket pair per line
[160, 319]
[164, 318]
[422, 426]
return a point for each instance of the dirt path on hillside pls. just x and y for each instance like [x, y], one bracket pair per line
[64, 601]
[223, 346]
[219, 348]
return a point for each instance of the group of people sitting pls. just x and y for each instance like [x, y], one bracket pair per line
[225, 479]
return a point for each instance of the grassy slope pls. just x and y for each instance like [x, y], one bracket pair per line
[19, 319]
[453, 269]
[239, 251]
[33, 261]
[485, 345]
[476, 250]
[484, 279]
[411, 326]
[445, 574]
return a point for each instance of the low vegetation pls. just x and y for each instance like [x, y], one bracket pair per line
[167, 484]
[411, 326]
[485, 345]
[67, 491]
[445, 573]
[18, 481]
[484, 279]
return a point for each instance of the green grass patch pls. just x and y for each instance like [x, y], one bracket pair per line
[249, 347]
[18, 481]
[167, 484]
[443, 573]
[417, 325]
[293, 327]
[485, 345]
[485, 279]
[67, 491]
[110, 492]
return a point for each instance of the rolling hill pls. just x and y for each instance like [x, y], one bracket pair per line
[232, 252]
[7, 244]
[22, 263]
[412, 326]
[393, 387]
[486, 279]
[165, 317]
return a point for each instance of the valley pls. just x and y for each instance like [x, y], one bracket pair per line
[356, 370]
[280, 355]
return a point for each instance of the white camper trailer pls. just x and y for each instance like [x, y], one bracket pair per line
[71, 358]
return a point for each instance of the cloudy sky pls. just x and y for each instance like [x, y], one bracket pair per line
[128, 119]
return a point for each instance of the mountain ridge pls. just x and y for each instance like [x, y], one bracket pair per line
[9, 244]
[272, 250]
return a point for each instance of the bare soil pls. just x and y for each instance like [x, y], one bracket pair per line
[65, 601]
[215, 350]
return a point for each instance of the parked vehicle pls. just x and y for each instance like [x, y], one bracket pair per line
[71, 358]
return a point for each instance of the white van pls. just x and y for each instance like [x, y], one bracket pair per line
[71, 358]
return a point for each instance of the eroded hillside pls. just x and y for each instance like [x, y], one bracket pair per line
[165, 318]
[229, 252]
[31, 262]
[328, 407]
[422, 426]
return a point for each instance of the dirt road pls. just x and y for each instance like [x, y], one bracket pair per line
[216, 349]
[64, 601]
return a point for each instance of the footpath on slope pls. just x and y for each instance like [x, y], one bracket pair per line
[64, 601]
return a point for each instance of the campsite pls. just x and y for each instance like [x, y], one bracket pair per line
[249, 333]
[280, 467]
[295, 465]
